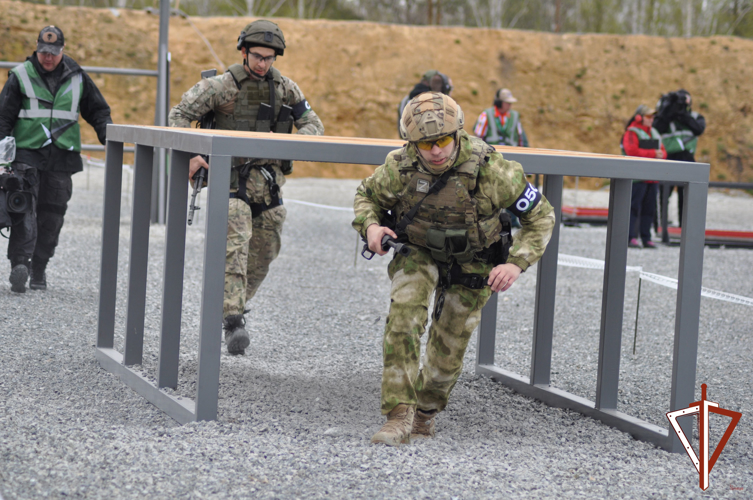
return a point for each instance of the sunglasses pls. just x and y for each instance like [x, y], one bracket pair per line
[441, 142]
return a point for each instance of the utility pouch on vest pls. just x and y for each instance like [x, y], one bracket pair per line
[648, 143]
[449, 243]
[435, 242]
[458, 245]
[264, 118]
[284, 123]
[501, 249]
[498, 252]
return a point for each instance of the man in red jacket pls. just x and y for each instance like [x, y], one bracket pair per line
[641, 139]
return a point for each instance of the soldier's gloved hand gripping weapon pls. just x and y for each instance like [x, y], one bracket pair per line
[199, 180]
[387, 243]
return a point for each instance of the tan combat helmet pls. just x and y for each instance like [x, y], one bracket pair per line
[263, 33]
[429, 116]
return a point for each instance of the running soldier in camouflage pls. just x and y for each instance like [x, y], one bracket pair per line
[445, 191]
[240, 98]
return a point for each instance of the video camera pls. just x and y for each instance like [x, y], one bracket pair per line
[16, 199]
[672, 104]
[13, 198]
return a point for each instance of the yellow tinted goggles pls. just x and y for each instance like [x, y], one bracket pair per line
[441, 142]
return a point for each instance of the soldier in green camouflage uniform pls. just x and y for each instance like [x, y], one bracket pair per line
[256, 212]
[454, 235]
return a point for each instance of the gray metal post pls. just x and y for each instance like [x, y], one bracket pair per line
[175, 250]
[613, 294]
[215, 245]
[487, 333]
[687, 312]
[546, 287]
[664, 211]
[160, 112]
[108, 274]
[139, 255]
[154, 217]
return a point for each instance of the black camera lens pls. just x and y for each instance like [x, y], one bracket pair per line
[19, 202]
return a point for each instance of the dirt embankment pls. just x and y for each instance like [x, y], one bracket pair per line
[575, 91]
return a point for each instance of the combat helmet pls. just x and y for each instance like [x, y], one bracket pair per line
[263, 33]
[430, 116]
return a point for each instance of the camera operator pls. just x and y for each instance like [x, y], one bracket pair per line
[39, 106]
[679, 128]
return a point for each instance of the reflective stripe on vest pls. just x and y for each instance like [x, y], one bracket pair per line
[680, 138]
[55, 120]
[642, 135]
[507, 137]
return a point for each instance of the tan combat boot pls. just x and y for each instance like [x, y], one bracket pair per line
[398, 427]
[423, 424]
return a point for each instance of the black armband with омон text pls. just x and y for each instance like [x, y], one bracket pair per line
[526, 201]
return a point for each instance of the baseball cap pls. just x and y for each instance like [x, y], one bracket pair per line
[505, 95]
[50, 40]
[644, 110]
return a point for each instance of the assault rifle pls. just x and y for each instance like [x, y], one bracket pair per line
[207, 121]
[387, 243]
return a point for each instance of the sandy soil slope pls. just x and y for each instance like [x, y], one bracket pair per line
[575, 91]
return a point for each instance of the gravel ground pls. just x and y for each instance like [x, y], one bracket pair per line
[297, 411]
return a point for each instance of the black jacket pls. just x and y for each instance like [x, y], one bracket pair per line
[94, 110]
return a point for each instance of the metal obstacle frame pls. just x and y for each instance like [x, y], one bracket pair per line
[221, 146]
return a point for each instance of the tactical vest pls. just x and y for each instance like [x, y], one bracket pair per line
[45, 119]
[642, 136]
[505, 136]
[448, 222]
[251, 95]
[680, 138]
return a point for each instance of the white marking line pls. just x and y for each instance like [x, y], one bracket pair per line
[328, 207]
[586, 263]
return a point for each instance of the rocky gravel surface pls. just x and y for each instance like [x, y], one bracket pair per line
[297, 411]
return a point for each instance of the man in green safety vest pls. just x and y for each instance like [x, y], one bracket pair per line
[679, 127]
[39, 106]
[500, 125]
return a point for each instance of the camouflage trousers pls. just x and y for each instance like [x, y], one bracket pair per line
[414, 279]
[252, 245]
